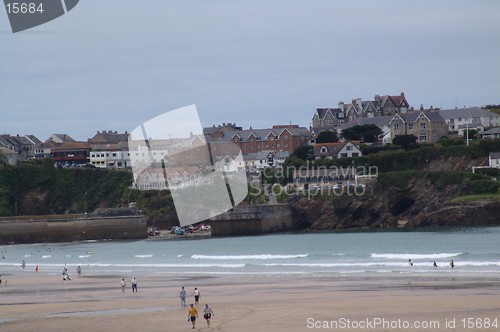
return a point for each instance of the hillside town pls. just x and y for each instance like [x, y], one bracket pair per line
[260, 148]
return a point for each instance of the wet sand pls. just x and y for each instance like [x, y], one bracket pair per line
[41, 302]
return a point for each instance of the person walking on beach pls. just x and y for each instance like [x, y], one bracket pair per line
[435, 264]
[197, 296]
[134, 285]
[192, 315]
[452, 264]
[182, 295]
[207, 314]
[410, 262]
[79, 270]
[123, 284]
[23, 264]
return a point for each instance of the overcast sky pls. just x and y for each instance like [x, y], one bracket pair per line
[113, 64]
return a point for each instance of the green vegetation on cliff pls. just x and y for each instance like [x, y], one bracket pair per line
[39, 188]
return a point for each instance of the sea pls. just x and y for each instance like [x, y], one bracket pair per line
[475, 251]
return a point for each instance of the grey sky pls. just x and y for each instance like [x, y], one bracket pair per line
[116, 63]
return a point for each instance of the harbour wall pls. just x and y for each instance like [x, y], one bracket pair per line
[253, 220]
[68, 228]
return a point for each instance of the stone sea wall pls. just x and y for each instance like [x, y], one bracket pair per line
[252, 220]
[68, 228]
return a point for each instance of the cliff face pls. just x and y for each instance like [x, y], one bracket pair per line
[417, 203]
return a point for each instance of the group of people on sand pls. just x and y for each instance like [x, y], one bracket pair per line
[133, 282]
[192, 311]
[434, 264]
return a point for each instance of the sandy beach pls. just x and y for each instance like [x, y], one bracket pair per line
[40, 302]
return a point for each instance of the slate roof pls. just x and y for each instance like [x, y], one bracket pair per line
[494, 155]
[376, 120]
[468, 112]
[261, 134]
[492, 131]
[410, 117]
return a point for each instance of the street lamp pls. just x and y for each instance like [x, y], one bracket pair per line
[85, 203]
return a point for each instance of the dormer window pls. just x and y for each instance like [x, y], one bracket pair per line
[323, 149]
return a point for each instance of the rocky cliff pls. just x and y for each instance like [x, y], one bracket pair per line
[416, 200]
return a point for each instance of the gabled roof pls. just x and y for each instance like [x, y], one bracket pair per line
[494, 155]
[492, 131]
[379, 121]
[323, 111]
[71, 146]
[109, 137]
[411, 117]
[261, 134]
[332, 148]
[62, 137]
[469, 112]
[5, 151]
[33, 139]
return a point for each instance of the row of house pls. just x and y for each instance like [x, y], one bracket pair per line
[331, 118]
[430, 125]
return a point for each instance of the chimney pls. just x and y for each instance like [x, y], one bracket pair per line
[341, 106]
[421, 107]
[402, 94]
[359, 103]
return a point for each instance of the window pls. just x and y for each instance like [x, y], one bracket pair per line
[396, 126]
[422, 125]
[410, 126]
[422, 137]
[452, 121]
[349, 148]
[323, 149]
[343, 155]
[355, 154]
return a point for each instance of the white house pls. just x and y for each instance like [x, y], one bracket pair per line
[8, 156]
[494, 159]
[477, 118]
[260, 160]
[336, 150]
[493, 133]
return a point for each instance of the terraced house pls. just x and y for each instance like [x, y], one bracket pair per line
[333, 118]
[278, 138]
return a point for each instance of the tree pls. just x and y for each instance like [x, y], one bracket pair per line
[303, 152]
[327, 137]
[406, 141]
[368, 133]
[472, 134]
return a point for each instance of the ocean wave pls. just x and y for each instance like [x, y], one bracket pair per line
[416, 256]
[46, 256]
[143, 256]
[83, 256]
[237, 257]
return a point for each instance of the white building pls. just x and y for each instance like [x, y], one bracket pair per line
[476, 118]
[336, 150]
[110, 159]
[494, 159]
[260, 160]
